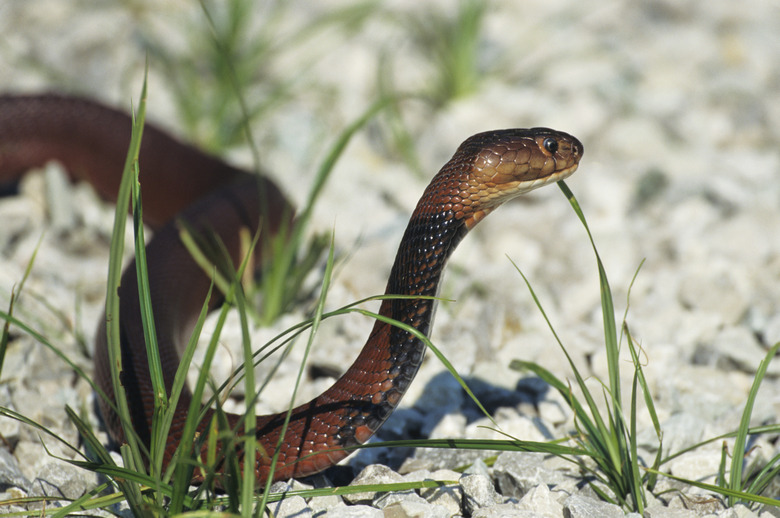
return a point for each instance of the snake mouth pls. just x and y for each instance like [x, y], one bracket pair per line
[512, 190]
[529, 185]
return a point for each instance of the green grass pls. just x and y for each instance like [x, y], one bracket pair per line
[173, 483]
[225, 84]
[450, 41]
[232, 50]
[608, 437]
[743, 485]
[15, 293]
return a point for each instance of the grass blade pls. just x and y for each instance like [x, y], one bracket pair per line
[737, 459]
[183, 474]
[115, 273]
[159, 434]
[318, 312]
[15, 293]
[275, 282]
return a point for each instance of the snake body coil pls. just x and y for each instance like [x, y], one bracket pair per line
[178, 180]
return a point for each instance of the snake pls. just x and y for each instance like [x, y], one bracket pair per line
[182, 184]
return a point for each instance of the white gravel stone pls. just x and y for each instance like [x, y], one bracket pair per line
[449, 426]
[741, 511]
[385, 500]
[685, 430]
[478, 492]
[10, 474]
[737, 348]
[415, 509]
[542, 501]
[291, 507]
[509, 510]
[320, 505]
[354, 511]
[518, 473]
[374, 474]
[448, 496]
[578, 507]
[62, 480]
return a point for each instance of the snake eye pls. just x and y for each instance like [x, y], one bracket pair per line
[550, 144]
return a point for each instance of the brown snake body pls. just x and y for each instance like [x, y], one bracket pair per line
[178, 180]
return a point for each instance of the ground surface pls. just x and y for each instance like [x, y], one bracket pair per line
[677, 104]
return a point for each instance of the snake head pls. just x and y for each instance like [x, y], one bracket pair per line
[497, 166]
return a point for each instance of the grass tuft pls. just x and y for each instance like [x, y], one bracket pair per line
[757, 481]
[452, 44]
[608, 437]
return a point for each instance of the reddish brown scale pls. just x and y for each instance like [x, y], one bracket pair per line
[91, 141]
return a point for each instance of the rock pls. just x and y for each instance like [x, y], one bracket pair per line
[735, 348]
[353, 511]
[540, 500]
[738, 511]
[701, 464]
[478, 467]
[508, 510]
[681, 431]
[384, 500]
[448, 496]
[320, 505]
[413, 464]
[719, 291]
[663, 512]
[415, 509]
[579, 507]
[59, 479]
[291, 507]
[281, 486]
[59, 198]
[10, 474]
[443, 395]
[478, 492]
[519, 472]
[13, 494]
[447, 427]
[446, 458]
[512, 423]
[373, 474]
[703, 503]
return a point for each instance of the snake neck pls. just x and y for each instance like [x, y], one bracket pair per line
[428, 242]
[374, 384]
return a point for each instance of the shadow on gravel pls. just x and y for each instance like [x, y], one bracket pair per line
[443, 397]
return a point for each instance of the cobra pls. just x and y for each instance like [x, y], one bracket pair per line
[181, 183]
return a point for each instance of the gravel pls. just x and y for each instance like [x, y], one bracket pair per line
[678, 106]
